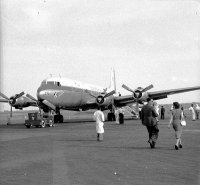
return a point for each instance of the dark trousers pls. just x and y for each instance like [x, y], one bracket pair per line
[121, 118]
[99, 137]
[153, 132]
[197, 114]
[140, 115]
[162, 116]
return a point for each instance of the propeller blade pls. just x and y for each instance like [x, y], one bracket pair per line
[109, 94]
[147, 88]
[127, 88]
[19, 95]
[31, 97]
[4, 96]
[4, 101]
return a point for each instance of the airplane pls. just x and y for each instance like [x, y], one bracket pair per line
[57, 93]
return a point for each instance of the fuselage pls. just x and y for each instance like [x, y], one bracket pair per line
[65, 93]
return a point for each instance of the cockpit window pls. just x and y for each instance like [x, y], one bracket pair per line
[50, 83]
[54, 83]
[44, 82]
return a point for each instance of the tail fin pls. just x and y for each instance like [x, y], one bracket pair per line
[112, 82]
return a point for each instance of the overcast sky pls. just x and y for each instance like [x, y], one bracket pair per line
[146, 42]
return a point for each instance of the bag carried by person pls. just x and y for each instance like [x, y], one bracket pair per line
[183, 122]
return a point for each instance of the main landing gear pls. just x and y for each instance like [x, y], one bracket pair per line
[58, 118]
[111, 116]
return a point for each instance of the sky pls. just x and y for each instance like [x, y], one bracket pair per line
[146, 42]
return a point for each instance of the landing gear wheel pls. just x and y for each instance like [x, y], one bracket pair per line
[43, 124]
[51, 123]
[58, 119]
[61, 118]
[111, 116]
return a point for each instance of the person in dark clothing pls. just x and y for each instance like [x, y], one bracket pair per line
[162, 112]
[148, 115]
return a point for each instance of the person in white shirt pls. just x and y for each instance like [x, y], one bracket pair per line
[156, 107]
[99, 118]
[191, 109]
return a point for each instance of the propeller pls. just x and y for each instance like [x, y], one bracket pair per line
[100, 98]
[137, 93]
[11, 100]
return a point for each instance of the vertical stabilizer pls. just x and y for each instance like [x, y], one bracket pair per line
[112, 82]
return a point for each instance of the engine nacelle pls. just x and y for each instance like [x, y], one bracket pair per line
[22, 102]
[100, 99]
[137, 94]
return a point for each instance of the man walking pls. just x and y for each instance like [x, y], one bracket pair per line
[148, 115]
[99, 118]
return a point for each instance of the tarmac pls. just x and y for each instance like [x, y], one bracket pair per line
[68, 154]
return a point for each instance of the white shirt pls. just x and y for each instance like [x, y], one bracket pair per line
[197, 107]
[156, 109]
[191, 109]
[99, 118]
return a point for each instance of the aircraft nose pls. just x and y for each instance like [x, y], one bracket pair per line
[40, 94]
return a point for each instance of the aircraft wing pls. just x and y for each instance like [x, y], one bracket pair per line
[122, 101]
[160, 94]
[156, 95]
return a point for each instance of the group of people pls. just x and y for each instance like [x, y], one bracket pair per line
[149, 118]
[195, 111]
